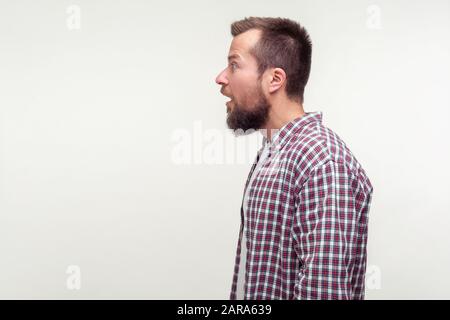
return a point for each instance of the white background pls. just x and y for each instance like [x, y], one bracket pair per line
[88, 116]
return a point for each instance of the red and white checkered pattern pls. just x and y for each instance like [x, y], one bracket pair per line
[306, 218]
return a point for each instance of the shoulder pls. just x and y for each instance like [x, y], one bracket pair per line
[317, 147]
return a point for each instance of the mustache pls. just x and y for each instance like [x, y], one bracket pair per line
[222, 91]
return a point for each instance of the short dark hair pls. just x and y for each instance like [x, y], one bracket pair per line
[283, 44]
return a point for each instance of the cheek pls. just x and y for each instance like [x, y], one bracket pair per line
[240, 88]
[250, 96]
[244, 90]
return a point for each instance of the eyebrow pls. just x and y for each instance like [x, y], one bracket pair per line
[233, 56]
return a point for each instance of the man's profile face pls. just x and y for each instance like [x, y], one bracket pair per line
[248, 107]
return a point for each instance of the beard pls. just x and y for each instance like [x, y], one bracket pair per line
[243, 118]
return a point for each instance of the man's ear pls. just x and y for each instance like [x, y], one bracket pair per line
[277, 79]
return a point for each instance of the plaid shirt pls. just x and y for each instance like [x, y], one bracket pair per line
[306, 218]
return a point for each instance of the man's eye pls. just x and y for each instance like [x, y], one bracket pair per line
[233, 65]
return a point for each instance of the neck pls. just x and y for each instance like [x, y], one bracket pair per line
[280, 115]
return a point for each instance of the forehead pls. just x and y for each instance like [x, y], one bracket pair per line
[243, 43]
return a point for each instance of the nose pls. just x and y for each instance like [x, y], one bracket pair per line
[221, 79]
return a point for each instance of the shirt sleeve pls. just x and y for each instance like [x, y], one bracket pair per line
[326, 231]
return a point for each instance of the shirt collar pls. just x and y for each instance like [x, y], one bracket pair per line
[280, 137]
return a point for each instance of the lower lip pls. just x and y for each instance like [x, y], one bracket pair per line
[228, 102]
